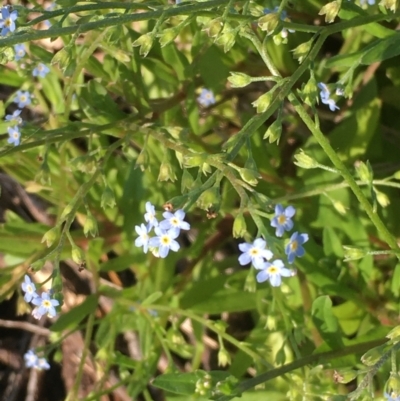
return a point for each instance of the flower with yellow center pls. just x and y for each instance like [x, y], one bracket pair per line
[274, 272]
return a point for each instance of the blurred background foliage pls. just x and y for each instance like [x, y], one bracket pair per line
[117, 123]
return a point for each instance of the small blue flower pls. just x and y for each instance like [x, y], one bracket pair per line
[206, 98]
[143, 239]
[45, 305]
[29, 288]
[282, 219]
[174, 221]
[150, 216]
[7, 23]
[294, 247]
[392, 397]
[41, 70]
[22, 99]
[370, 2]
[325, 97]
[254, 253]
[164, 241]
[33, 361]
[20, 51]
[14, 136]
[273, 272]
[14, 118]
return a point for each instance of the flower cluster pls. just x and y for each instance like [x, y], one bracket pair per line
[325, 96]
[33, 361]
[43, 303]
[166, 231]
[206, 98]
[257, 253]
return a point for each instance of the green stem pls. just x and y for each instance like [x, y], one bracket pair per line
[339, 165]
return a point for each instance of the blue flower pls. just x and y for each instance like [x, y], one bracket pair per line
[29, 288]
[294, 247]
[282, 219]
[45, 305]
[22, 99]
[150, 216]
[254, 253]
[14, 118]
[14, 135]
[325, 96]
[370, 2]
[33, 361]
[273, 272]
[20, 51]
[392, 397]
[206, 98]
[41, 70]
[164, 241]
[7, 23]
[143, 239]
[174, 222]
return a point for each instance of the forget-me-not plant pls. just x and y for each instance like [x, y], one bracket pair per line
[206, 98]
[45, 305]
[41, 70]
[28, 286]
[7, 21]
[150, 216]
[174, 221]
[294, 247]
[144, 238]
[273, 272]
[20, 51]
[14, 135]
[164, 241]
[33, 361]
[282, 220]
[22, 99]
[325, 96]
[254, 253]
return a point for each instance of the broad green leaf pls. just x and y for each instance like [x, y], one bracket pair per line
[73, 317]
[326, 322]
[382, 50]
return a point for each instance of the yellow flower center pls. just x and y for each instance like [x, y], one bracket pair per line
[272, 269]
[294, 245]
[165, 240]
[7, 22]
[15, 135]
[254, 251]
[174, 221]
[281, 219]
[46, 303]
[22, 98]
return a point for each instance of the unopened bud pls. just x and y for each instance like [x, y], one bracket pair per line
[166, 172]
[339, 207]
[269, 22]
[77, 255]
[239, 80]
[167, 36]
[214, 27]
[274, 132]
[224, 357]
[344, 375]
[390, 4]
[304, 161]
[263, 102]
[226, 39]
[382, 198]
[394, 335]
[145, 42]
[371, 357]
[301, 51]
[330, 10]
[364, 171]
[250, 284]
[239, 226]
[249, 176]
[108, 198]
[90, 226]
[194, 160]
[67, 210]
[142, 160]
[187, 181]
[210, 198]
[310, 92]
[50, 236]
[353, 253]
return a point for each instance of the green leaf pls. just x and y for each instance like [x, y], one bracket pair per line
[119, 263]
[326, 322]
[152, 298]
[382, 49]
[396, 281]
[72, 318]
